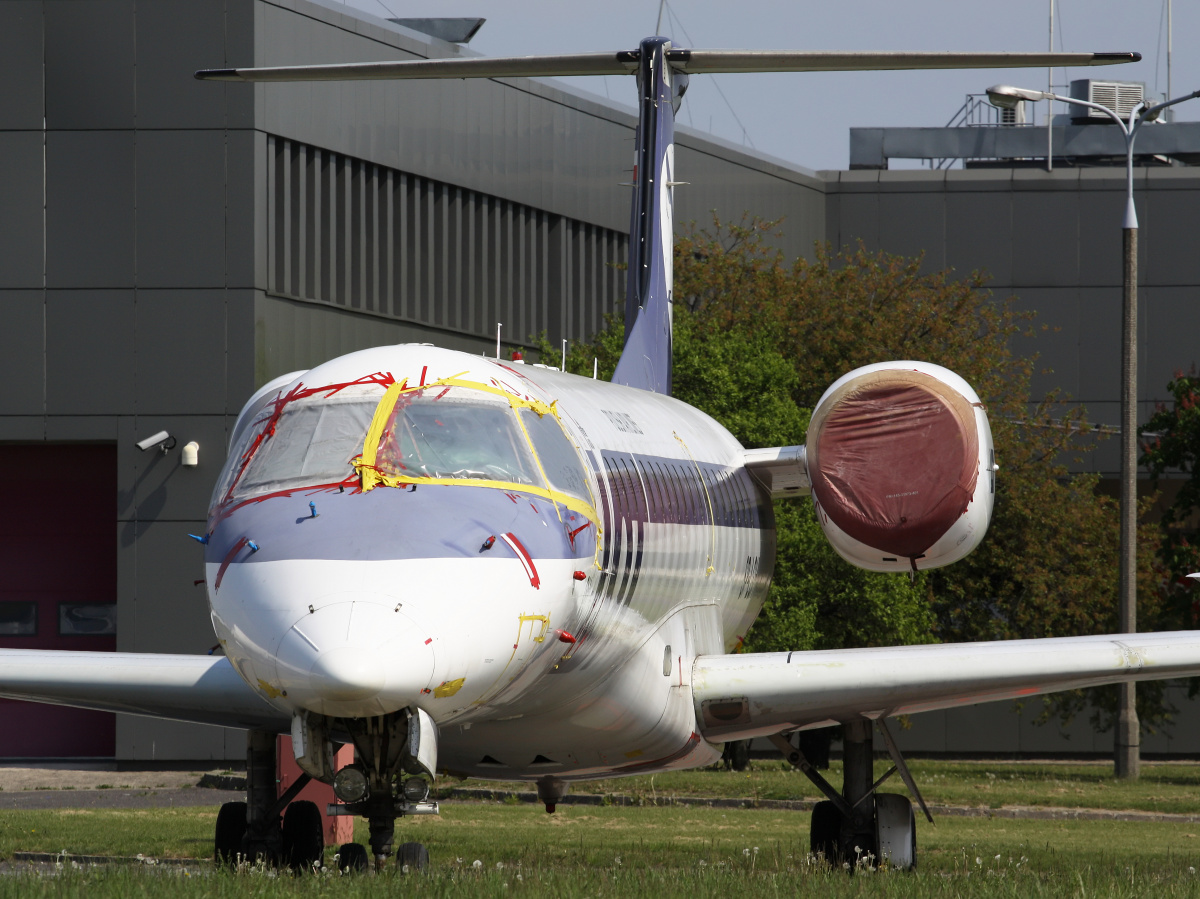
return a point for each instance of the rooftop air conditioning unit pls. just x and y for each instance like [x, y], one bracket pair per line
[1119, 96]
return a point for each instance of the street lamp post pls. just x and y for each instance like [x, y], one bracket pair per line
[1127, 757]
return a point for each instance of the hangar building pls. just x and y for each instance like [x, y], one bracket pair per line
[167, 245]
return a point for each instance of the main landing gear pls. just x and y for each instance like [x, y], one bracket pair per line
[859, 825]
[266, 828]
[281, 831]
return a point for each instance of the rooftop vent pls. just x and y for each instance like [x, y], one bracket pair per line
[1119, 96]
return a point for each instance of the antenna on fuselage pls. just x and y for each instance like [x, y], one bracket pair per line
[499, 325]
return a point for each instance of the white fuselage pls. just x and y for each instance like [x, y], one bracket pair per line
[542, 599]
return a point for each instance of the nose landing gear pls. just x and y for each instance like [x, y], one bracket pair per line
[388, 747]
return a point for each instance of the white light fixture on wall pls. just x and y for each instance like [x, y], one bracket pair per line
[191, 455]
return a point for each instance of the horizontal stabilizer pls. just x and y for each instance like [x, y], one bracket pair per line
[622, 63]
[625, 62]
[200, 689]
[703, 62]
[758, 694]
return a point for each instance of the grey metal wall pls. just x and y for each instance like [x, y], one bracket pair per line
[1052, 239]
[511, 146]
[155, 261]
[125, 294]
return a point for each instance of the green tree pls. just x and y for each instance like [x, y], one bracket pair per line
[1171, 443]
[751, 326]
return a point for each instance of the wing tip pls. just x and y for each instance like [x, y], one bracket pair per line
[1117, 57]
[217, 75]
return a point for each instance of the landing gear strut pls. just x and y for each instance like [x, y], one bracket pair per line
[860, 825]
[388, 747]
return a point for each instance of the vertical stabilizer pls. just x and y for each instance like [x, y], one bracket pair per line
[646, 360]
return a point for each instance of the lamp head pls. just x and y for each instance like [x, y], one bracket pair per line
[1005, 96]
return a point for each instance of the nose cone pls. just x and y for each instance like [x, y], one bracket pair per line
[355, 658]
[348, 673]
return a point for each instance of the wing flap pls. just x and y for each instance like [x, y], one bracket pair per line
[757, 694]
[200, 689]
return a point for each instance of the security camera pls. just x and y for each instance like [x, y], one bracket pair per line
[163, 440]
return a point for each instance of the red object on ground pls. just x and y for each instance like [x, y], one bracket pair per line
[337, 829]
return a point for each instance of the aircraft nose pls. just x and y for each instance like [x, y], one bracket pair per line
[348, 673]
[355, 658]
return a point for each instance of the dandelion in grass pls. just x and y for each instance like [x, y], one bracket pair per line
[477, 864]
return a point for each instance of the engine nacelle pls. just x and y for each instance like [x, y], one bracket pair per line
[902, 466]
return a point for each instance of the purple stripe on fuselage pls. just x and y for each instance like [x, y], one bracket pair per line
[662, 490]
[434, 521]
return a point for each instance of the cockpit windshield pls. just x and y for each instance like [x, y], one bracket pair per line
[439, 432]
[445, 432]
[313, 441]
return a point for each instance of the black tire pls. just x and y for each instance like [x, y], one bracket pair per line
[353, 857]
[230, 830]
[413, 855]
[824, 831]
[303, 836]
[737, 754]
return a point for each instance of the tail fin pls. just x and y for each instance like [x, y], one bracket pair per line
[662, 72]
[646, 360]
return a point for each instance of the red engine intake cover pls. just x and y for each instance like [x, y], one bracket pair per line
[897, 459]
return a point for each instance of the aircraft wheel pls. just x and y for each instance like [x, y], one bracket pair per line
[737, 754]
[303, 836]
[896, 830]
[230, 830]
[353, 858]
[824, 830]
[412, 856]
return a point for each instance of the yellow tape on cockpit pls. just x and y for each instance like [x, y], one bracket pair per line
[366, 464]
[372, 477]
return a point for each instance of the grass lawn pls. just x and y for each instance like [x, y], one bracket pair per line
[680, 851]
[1163, 787]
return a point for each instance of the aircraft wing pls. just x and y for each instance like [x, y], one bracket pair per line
[758, 694]
[201, 689]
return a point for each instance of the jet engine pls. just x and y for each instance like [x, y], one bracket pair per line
[902, 466]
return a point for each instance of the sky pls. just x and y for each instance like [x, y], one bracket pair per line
[804, 118]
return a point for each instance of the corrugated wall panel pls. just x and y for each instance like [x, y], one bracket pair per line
[347, 232]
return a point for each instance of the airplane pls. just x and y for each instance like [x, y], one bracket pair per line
[490, 569]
